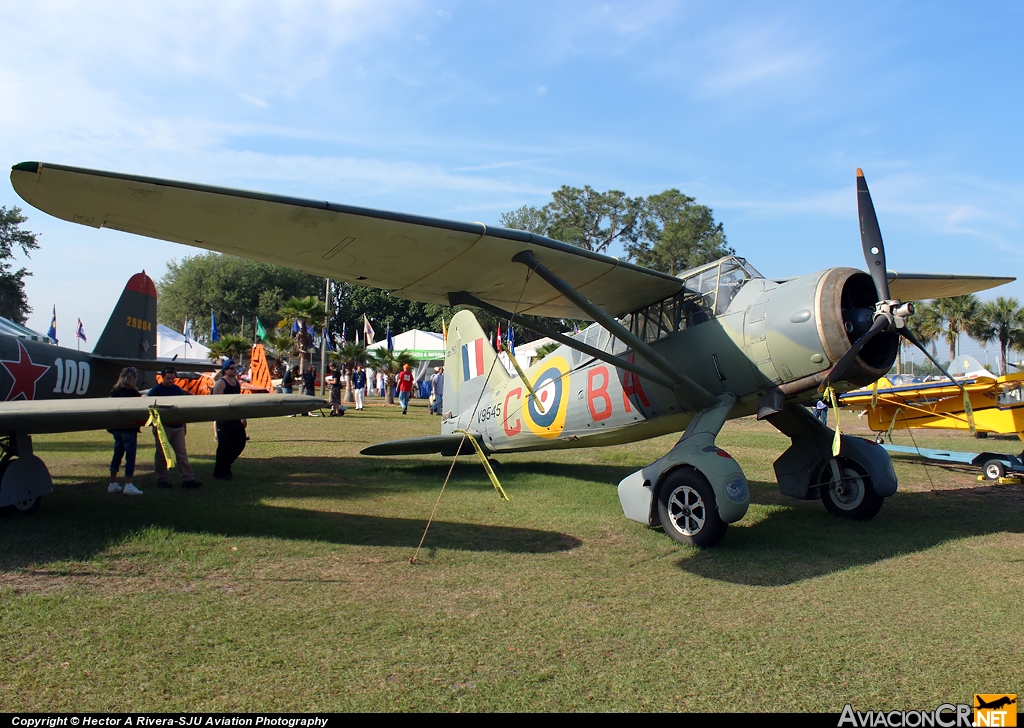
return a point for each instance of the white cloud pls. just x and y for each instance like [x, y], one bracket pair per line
[257, 102]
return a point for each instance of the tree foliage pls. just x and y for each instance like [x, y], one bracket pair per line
[235, 288]
[349, 303]
[13, 301]
[309, 313]
[1001, 320]
[668, 231]
[948, 318]
[678, 234]
[230, 345]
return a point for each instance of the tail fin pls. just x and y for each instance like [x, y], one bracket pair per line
[131, 331]
[469, 360]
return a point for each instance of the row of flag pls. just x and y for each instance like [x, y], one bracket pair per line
[52, 332]
[261, 333]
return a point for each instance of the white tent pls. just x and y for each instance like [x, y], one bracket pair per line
[171, 343]
[22, 332]
[426, 347]
[422, 345]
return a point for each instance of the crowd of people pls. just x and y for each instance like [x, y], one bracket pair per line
[231, 434]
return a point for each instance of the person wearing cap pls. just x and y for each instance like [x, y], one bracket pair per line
[230, 433]
[405, 381]
[437, 389]
[175, 436]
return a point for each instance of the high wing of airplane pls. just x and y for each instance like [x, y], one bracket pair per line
[997, 402]
[47, 388]
[666, 353]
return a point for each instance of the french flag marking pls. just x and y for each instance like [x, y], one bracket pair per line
[472, 359]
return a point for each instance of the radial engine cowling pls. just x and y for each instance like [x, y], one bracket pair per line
[797, 331]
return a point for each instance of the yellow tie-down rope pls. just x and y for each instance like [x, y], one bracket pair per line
[161, 434]
[830, 396]
[487, 465]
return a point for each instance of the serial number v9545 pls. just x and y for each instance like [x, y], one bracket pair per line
[488, 412]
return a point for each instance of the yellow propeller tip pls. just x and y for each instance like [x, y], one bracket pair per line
[860, 172]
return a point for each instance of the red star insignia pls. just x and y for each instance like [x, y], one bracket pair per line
[25, 372]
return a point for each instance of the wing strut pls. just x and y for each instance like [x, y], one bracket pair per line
[683, 385]
[466, 299]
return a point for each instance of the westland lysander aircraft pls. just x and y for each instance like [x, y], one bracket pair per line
[48, 388]
[667, 353]
[997, 402]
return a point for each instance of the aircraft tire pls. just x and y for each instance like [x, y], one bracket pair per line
[688, 509]
[25, 508]
[855, 498]
[994, 470]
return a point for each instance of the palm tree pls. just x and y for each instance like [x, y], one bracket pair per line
[389, 364]
[1000, 320]
[308, 311]
[282, 344]
[948, 318]
[230, 346]
[349, 356]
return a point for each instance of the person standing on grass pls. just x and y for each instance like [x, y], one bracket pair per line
[309, 384]
[359, 386]
[405, 380]
[437, 389]
[126, 439]
[334, 380]
[288, 380]
[230, 433]
[175, 436]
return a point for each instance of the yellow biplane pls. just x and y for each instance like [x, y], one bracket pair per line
[900, 403]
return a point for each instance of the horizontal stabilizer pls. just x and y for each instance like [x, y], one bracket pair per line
[442, 444]
[32, 416]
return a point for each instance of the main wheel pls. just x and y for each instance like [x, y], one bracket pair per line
[994, 469]
[853, 496]
[688, 509]
[23, 508]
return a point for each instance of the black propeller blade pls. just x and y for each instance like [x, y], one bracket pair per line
[909, 335]
[839, 370]
[871, 238]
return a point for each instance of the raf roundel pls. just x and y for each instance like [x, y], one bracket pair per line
[551, 384]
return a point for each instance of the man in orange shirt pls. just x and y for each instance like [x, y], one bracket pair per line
[405, 380]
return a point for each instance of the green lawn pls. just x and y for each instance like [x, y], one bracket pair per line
[290, 588]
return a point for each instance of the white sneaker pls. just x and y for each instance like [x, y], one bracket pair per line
[130, 489]
[113, 488]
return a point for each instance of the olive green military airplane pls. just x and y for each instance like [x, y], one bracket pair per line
[47, 388]
[666, 354]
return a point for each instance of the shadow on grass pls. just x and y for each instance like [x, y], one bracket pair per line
[802, 541]
[81, 520]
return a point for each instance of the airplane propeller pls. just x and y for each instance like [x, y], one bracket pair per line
[889, 314]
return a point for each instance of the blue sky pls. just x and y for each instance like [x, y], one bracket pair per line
[465, 110]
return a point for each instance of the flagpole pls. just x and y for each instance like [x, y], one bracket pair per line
[323, 337]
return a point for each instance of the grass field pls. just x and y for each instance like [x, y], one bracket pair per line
[290, 588]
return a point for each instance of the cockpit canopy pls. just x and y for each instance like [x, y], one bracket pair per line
[718, 282]
[707, 292]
